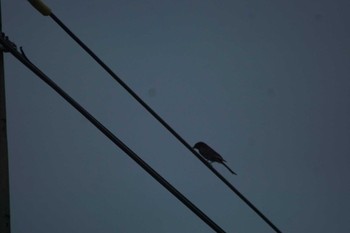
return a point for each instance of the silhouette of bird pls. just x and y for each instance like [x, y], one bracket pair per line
[208, 153]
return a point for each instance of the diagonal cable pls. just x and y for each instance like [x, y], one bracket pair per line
[46, 11]
[10, 47]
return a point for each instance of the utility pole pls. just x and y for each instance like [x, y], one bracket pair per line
[4, 168]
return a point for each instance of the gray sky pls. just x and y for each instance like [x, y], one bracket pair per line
[265, 83]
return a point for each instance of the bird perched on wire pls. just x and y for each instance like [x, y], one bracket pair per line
[208, 153]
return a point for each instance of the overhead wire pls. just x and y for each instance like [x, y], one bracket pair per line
[46, 11]
[10, 47]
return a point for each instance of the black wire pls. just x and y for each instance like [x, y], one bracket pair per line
[155, 115]
[110, 135]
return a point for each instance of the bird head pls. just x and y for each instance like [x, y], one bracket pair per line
[199, 145]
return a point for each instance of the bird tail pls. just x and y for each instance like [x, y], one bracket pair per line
[228, 168]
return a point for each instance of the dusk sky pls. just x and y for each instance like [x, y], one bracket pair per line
[265, 83]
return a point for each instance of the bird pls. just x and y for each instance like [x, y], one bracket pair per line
[211, 155]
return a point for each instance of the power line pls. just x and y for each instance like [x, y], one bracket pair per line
[163, 122]
[22, 58]
[43, 9]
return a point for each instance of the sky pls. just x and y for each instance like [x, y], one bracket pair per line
[264, 82]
